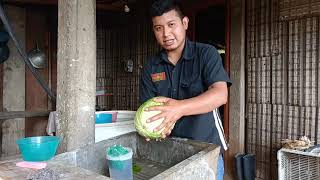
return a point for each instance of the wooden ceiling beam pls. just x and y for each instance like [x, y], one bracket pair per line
[32, 2]
[194, 6]
[100, 6]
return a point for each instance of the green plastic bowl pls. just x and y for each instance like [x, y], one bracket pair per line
[39, 148]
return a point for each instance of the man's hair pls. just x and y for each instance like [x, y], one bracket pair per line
[160, 7]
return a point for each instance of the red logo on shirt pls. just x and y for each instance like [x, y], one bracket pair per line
[158, 77]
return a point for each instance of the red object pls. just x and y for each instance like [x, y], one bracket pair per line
[158, 76]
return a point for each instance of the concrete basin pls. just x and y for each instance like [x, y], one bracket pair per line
[173, 158]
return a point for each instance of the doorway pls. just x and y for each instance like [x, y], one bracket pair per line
[210, 28]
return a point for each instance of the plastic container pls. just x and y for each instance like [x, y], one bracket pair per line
[120, 167]
[39, 148]
[124, 115]
[114, 115]
[103, 118]
[294, 164]
[109, 118]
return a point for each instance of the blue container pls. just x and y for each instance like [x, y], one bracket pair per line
[103, 118]
[39, 148]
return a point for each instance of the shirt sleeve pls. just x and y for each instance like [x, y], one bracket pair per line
[213, 70]
[147, 89]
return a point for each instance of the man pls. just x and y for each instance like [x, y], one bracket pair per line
[189, 76]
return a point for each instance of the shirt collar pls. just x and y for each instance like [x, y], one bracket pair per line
[187, 54]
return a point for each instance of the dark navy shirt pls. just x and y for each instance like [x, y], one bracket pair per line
[199, 67]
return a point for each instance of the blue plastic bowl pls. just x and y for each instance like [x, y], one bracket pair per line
[39, 148]
[103, 118]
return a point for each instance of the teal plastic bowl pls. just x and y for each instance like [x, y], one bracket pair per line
[39, 148]
[103, 118]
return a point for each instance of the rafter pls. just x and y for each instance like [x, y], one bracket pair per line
[34, 2]
[105, 5]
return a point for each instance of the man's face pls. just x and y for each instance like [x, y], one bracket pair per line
[170, 30]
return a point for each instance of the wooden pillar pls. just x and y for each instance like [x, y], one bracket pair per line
[13, 85]
[237, 90]
[76, 76]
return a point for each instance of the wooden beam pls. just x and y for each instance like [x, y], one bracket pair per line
[32, 2]
[1, 87]
[23, 114]
[105, 7]
[1, 102]
[196, 6]
[100, 6]
[237, 98]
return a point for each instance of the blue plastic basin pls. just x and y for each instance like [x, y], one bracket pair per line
[39, 148]
[103, 118]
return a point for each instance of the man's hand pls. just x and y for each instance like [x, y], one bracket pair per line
[171, 111]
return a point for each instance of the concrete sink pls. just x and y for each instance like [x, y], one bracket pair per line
[173, 158]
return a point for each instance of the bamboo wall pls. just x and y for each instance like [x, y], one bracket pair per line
[283, 71]
[115, 46]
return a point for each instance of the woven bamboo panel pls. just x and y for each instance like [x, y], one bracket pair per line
[291, 9]
[259, 80]
[278, 80]
[259, 136]
[303, 65]
[116, 46]
[268, 124]
[259, 36]
[311, 61]
[283, 73]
